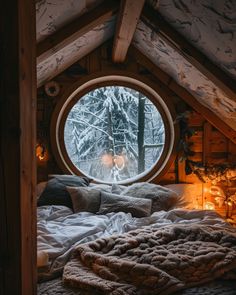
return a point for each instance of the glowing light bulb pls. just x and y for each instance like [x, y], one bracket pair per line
[209, 206]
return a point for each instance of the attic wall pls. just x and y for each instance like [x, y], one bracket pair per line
[208, 144]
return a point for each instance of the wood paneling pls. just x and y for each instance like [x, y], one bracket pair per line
[206, 142]
[231, 155]
[17, 148]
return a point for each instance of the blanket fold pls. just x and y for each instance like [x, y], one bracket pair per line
[151, 260]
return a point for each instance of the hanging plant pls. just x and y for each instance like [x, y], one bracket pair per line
[213, 173]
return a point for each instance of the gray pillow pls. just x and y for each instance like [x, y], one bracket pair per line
[71, 180]
[117, 188]
[40, 187]
[55, 192]
[162, 197]
[85, 199]
[138, 207]
[101, 187]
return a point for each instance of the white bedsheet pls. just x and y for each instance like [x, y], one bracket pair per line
[59, 230]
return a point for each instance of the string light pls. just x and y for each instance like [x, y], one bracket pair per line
[209, 206]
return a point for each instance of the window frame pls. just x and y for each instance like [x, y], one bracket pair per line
[82, 87]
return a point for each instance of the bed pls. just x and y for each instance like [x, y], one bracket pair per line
[140, 239]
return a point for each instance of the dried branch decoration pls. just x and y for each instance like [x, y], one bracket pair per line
[213, 173]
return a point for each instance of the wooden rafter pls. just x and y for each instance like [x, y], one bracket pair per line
[76, 29]
[153, 19]
[184, 94]
[128, 17]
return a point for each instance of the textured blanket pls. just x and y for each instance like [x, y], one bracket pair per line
[153, 261]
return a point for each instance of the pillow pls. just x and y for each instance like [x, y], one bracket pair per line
[71, 180]
[138, 207]
[85, 199]
[162, 198]
[101, 187]
[55, 192]
[190, 194]
[117, 188]
[40, 188]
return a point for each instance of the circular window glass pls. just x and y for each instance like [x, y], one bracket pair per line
[114, 134]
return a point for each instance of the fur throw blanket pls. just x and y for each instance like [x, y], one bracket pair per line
[153, 261]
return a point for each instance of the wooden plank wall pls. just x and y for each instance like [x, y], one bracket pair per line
[209, 145]
[213, 148]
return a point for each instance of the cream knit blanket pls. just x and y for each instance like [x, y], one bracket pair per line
[153, 261]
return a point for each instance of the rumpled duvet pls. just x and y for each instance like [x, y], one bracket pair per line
[154, 260]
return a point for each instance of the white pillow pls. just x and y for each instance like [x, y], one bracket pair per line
[101, 187]
[191, 194]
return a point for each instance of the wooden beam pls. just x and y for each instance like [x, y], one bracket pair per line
[128, 17]
[184, 94]
[76, 29]
[17, 148]
[178, 42]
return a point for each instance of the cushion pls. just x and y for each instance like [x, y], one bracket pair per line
[138, 207]
[190, 194]
[85, 199]
[40, 188]
[71, 180]
[117, 188]
[101, 187]
[55, 192]
[162, 198]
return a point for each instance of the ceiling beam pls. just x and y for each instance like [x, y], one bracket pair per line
[178, 42]
[184, 94]
[77, 28]
[128, 17]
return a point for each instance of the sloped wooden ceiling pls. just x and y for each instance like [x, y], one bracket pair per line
[52, 15]
[63, 40]
[210, 25]
[196, 48]
[185, 74]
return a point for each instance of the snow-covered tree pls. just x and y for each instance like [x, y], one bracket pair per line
[114, 133]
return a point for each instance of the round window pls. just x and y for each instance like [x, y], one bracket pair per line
[114, 134]
[113, 129]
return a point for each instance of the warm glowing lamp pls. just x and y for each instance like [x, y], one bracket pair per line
[40, 151]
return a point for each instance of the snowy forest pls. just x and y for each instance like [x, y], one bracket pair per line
[114, 133]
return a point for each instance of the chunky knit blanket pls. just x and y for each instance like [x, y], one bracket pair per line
[153, 261]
